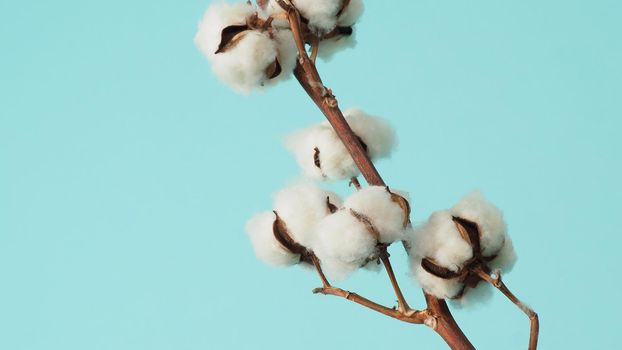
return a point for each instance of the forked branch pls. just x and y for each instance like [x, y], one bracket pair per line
[403, 313]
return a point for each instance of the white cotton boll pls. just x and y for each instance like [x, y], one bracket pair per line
[346, 40]
[342, 243]
[249, 63]
[301, 207]
[266, 247]
[387, 216]
[376, 132]
[329, 47]
[351, 13]
[436, 286]
[216, 18]
[506, 258]
[302, 144]
[322, 14]
[334, 159]
[274, 10]
[440, 240]
[243, 67]
[287, 53]
[474, 207]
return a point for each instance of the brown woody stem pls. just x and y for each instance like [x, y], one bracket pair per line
[402, 305]
[318, 267]
[534, 322]
[412, 316]
[309, 78]
[355, 182]
[315, 46]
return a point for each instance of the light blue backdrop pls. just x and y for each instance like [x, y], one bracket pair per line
[127, 173]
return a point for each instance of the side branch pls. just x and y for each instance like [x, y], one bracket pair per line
[402, 305]
[412, 316]
[534, 321]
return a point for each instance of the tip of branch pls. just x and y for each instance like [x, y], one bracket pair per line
[319, 290]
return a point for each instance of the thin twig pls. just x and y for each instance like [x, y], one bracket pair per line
[401, 301]
[412, 316]
[354, 181]
[404, 314]
[315, 46]
[534, 322]
[318, 268]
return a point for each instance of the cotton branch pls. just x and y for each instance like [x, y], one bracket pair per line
[250, 51]
[309, 78]
[533, 316]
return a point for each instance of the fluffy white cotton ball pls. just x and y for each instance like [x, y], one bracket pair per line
[376, 133]
[475, 208]
[440, 240]
[436, 286]
[303, 205]
[217, 17]
[385, 213]
[266, 247]
[287, 54]
[321, 154]
[343, 244]
[244, 67]
[257, 59]
[321, 14]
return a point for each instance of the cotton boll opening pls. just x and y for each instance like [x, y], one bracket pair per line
[216, 18]
[476, 208]
[243, 53]
[382, 209]
[266, 247]
[246, 66]
[439, 239]
[436, 286]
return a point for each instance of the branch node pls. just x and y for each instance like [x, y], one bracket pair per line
[431, 322]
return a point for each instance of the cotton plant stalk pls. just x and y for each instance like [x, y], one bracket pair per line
[456, 253]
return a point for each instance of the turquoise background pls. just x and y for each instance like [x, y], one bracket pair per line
[127, 172]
